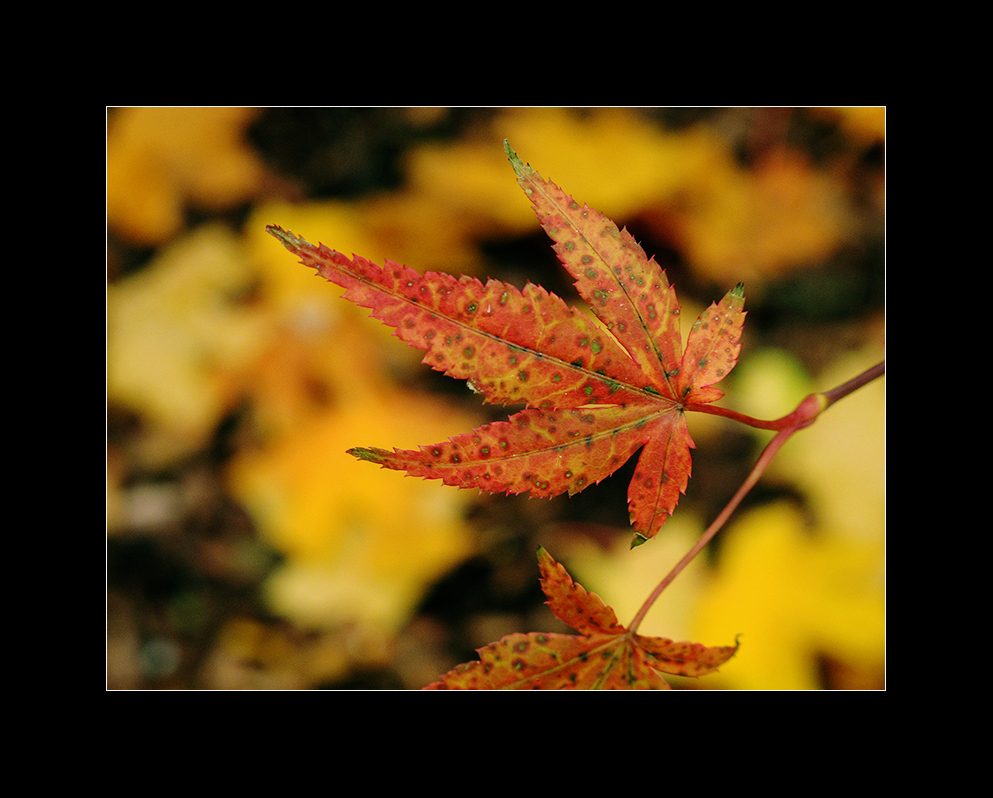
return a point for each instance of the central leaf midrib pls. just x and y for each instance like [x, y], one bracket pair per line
[644, 420]
[609, 639]
[537, 354]
[631, 302]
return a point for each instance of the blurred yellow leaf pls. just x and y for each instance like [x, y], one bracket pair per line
[794, 595]
[179, 340]
[732, 223]
[611, 159]
[361, 544]
[160, 159]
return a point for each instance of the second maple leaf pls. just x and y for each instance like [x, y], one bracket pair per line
[593, 393]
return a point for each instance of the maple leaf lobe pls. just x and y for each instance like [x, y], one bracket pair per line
[521, 168]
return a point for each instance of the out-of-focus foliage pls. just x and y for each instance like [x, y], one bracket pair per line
[809, 598]
[181, 340]
[359, 548]
[163, 161]
[246, 550]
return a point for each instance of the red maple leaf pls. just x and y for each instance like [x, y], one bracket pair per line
[604, 656]
[594, 394]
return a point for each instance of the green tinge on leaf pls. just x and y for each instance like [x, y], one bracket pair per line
[372, 455]
[286, 238]
[521, 168]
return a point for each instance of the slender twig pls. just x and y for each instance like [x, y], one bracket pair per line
[853, 385]
[734, 415]
[806, 413]
[787, 421]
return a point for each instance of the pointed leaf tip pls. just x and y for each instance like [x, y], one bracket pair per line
[371, 455]
[285, 237]
[738, 290]
[520, 167]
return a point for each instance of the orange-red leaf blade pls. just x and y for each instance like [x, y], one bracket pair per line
[582, 611]
[683, 659]
[542, 661]
[627, 291]
[712, 348]
[512, 346]
[662, 474]
[545, 452]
